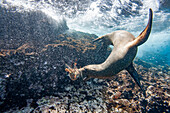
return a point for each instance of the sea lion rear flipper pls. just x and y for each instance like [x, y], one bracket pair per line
[145, 33]
[135, 76]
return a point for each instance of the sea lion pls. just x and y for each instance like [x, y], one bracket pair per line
[121, 57]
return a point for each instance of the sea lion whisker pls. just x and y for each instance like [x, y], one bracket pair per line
[74, 73]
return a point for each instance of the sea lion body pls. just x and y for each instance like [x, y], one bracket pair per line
[119, 59]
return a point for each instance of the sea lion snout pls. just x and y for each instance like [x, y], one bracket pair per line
[74, 73]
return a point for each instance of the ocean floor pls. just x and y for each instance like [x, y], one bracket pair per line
[119, 94]
[33, 80]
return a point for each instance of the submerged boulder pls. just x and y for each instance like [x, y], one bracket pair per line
[34, 49]
[27, 26]
[32, 71]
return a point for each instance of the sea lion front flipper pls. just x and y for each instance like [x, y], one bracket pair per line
[102, 49]
[98, 39]
[104, 38]
[104, 44]
[135, 76]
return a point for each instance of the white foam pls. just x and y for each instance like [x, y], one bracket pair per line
[102, 16]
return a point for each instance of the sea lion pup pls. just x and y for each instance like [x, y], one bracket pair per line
[121, 57]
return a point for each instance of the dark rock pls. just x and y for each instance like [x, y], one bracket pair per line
[128, 94]
[32, 71]
[43, 73]
[27, 27]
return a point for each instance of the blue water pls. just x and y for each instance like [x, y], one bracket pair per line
[104, 16]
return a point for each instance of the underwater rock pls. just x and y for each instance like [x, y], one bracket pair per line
[18, 28]
[32, 76]
[31, 71]
[116, 95]
[50, 90]
[154, 80]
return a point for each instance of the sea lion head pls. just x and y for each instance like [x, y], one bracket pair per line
[74, 73]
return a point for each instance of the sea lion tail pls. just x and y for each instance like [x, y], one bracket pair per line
[145, 33]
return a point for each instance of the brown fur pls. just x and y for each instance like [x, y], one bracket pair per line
[121, 57]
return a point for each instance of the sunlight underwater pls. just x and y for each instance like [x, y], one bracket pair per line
[38, 37]
[101, 17]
